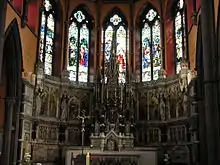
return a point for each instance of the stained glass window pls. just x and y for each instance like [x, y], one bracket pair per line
[115, 38]
[151, 58]
[179, 26]
[47, 30]
[79, 37]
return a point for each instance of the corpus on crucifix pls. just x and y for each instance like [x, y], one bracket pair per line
[82, 118]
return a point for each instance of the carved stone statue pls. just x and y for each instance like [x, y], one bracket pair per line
[185, 103]
[64, 107]
[38, 101]
[111, 145]
[127, 128]
[97, 128]
[162, 109]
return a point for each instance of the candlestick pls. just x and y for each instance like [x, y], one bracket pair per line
[107, 91]
[121, 93]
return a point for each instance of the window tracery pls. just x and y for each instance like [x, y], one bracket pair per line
[115, 30]
[151, 58]
[79, 46]
[179, 26]
[47, 33]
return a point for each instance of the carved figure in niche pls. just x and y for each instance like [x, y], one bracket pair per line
[97, 128]
[111, 145]
[179, 105]
[162, 108]
[26, 143]
[38, 101]
[73, 106]
[64, 107]
[167, 103]
[53, 103]
[42, 132]
[53, 134]
[185, 103]
[107, 123]
[155, 106]
[173, 103]
[127, 128]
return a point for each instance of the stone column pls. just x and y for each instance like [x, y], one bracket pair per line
[8, 130]
[209, 65]
[25, 13]
[98, 37]
[131, 41]
[3, 9]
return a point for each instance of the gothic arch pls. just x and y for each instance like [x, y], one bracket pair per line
[145, 8]
[12, 67]
[114, 10]
[86, 9]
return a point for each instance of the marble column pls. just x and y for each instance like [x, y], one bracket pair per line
[209, 65]
[3, 9]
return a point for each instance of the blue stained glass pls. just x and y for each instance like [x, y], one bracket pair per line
[42, 34]
[73, 51]
[121, 53]
[84, 53]
[47, 30]
[156, 50]
[108, 43]
[118, 34]
[79, 36]
[146, 53]
[151, 47]
[179, 35]
[49, 45]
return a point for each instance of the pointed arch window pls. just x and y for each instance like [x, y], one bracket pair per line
[79, 46]
[151, 58]
[115, 41]
[180, 27]
[47, 33]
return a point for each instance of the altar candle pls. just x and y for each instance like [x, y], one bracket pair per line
[88, 158]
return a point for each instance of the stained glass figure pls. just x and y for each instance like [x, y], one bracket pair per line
[79, 36]
[151, 46]
[116, 31]
[146, 53]
[121, 53]
[73, 51]
[47, 30]
[179, 34]
[156, 49]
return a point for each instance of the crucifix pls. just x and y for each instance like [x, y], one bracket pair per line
[82, 118]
